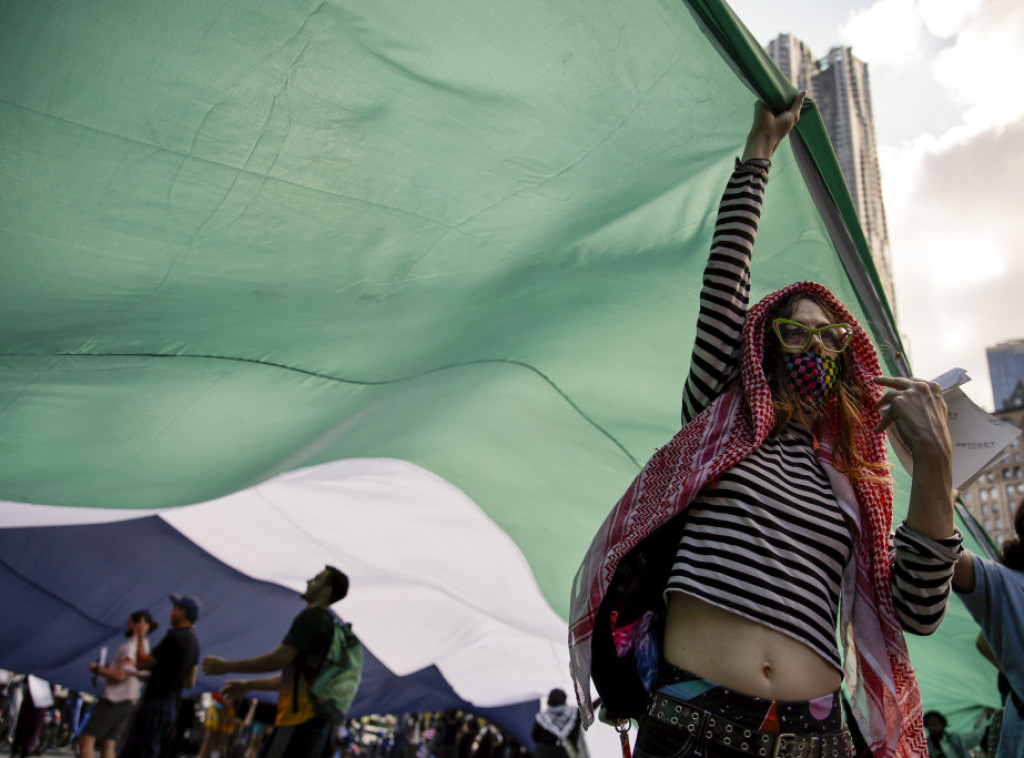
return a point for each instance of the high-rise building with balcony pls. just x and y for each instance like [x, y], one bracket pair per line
[840, 86]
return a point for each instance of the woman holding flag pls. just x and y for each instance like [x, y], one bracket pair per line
[708, 604]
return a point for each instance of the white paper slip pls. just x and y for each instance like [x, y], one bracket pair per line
[42, 694]
[979, 438]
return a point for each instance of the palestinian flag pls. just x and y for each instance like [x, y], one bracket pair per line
[404, 287]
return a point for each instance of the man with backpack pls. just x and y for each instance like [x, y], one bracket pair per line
[314, 652]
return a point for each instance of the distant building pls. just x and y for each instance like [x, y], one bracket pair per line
[1006, 367]
[795, 60]
[839, 85]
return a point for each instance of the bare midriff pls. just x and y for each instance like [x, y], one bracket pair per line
[743, 655]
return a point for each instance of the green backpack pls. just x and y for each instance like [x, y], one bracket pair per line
[335, 684]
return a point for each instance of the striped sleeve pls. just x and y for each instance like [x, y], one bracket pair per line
[922, 571]
[725, 290]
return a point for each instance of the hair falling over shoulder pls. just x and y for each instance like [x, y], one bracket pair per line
[842, 411]
[842, 414]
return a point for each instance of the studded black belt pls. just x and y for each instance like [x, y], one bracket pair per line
[696, 721]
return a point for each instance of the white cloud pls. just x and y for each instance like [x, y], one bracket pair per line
[974, 49]
[943, 18]
[958, 260]
[982, 68]
[954, 233]
[890, 32]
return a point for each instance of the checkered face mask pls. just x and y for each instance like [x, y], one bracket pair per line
[813, 376]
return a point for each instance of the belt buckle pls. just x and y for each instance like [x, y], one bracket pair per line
[779, 744]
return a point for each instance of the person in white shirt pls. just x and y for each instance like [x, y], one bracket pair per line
[121, 689]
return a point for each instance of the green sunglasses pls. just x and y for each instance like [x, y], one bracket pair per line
[834, 338]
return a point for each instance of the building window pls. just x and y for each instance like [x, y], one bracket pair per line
[999, 523]
[990, 476]
[1006, 473]
[988, 525]
[983, 495]
[966, 496]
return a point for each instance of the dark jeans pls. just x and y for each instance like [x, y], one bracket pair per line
[152, 728]
[305, 740]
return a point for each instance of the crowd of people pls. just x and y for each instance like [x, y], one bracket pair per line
[137, 713]
[452, 733]
[141, 713]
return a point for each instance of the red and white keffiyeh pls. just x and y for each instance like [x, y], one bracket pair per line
[883, 690]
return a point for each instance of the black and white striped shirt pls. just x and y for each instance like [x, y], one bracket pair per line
[768, 540]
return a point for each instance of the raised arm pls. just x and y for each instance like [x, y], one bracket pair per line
[928, 544]
[725, 290]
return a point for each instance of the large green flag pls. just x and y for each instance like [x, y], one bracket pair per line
[245, 240]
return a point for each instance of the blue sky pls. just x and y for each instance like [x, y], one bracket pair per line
[948, 100]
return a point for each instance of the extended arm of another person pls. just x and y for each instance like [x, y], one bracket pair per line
[982, 646]
[236, 689]
[927, 545]
[963, 573]
[726, 283]
[275, 660]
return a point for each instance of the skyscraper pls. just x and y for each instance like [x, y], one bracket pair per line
[840, 86]
[795, 60]
[1006, 367]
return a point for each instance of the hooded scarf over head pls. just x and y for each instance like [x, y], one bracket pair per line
[883, 690]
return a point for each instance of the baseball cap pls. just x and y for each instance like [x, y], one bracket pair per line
[188, 603]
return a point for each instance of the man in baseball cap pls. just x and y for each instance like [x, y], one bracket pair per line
[173, 666]
[189, 604]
